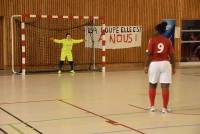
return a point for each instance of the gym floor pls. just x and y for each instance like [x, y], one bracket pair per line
[97, 103]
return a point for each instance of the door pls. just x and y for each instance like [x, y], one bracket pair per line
[190, 47]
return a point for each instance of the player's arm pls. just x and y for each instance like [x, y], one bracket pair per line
[56, 40]
[172, 59]
[148, 54]
[77, 41]
[173, 62]
[147, 61]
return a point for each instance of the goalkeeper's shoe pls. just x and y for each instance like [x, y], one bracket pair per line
[59, 71]
[72, 71]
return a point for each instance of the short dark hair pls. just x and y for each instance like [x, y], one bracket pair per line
[161, 28]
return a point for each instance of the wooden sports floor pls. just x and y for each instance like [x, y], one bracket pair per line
[97, 103]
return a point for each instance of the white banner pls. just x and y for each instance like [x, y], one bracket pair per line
[117, 37]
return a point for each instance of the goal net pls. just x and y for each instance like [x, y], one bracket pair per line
[33, 51]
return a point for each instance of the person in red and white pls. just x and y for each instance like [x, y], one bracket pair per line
[160, 65]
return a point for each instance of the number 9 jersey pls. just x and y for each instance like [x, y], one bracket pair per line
[159, 48]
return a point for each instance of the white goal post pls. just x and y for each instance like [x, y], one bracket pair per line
[23, 36]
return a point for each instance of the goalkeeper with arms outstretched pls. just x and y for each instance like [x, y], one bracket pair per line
[66, 52]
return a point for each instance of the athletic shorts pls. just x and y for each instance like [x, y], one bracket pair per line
[66, 55]
[160, 71]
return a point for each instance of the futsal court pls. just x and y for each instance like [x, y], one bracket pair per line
[91, 66]
[97, 103]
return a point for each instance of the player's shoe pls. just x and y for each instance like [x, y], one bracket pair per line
[72, 71]
[152, 109]
[59, 71]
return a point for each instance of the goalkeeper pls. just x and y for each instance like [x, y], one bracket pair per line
[66, 51]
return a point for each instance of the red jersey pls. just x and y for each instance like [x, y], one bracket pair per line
[160, 47]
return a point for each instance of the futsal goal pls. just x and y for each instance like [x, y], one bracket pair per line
[32, 51]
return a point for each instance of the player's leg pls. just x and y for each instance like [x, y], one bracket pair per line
[165, 80]
[60, 66]
[165, 95]
[153, 74]
[61, 63]
[70, 61]
[152, 95]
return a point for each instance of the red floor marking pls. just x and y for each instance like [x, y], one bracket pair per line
[112, 122]
[107, 119]
[169, 112]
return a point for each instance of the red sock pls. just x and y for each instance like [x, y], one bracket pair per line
[152, 94]
[165, 94]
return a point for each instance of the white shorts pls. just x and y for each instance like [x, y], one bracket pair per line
[160, 71]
